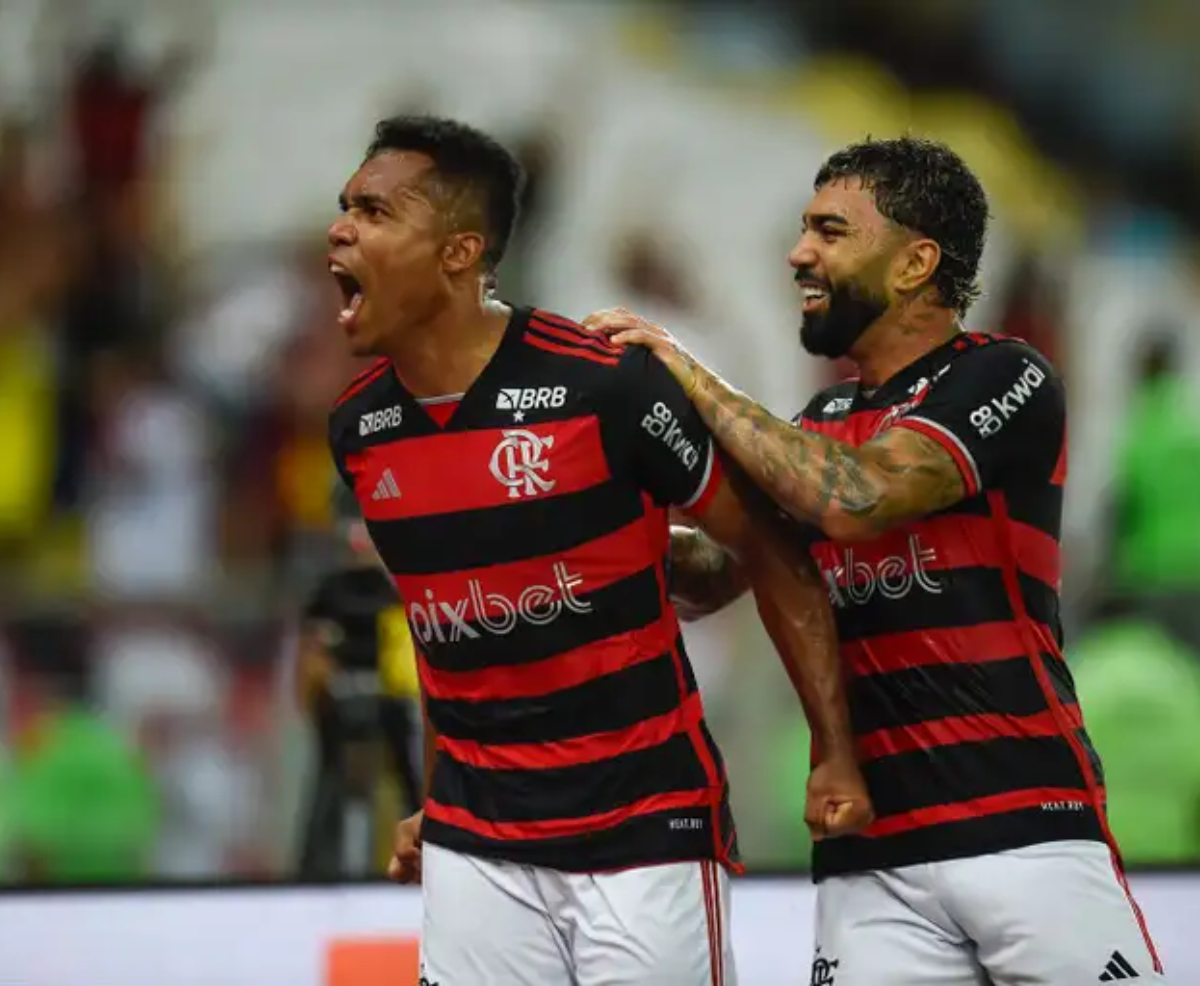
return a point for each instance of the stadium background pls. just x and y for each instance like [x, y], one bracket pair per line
[167, 352]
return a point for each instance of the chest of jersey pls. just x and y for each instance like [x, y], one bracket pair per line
[918, 564]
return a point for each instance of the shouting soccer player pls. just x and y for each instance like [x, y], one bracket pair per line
[929, 492]
[516, 473]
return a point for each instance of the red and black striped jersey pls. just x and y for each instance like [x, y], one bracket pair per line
[528, 535]
[964, 709]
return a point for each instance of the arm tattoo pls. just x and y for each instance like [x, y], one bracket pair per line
[897, 477]
[704, 578]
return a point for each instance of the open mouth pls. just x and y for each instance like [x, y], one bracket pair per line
[815, 295]
[352, 296]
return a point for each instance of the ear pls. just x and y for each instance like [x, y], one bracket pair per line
[916, 264]
[462, 252]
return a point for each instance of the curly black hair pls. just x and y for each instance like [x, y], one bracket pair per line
[924, 186]
[468, 159]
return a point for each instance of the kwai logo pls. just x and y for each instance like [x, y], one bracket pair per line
[990, 418]
[481, 612]
[662, 424]
[856, 583]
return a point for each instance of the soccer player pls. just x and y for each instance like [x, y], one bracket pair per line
[516, 475]
[929, 492]
[356, 662]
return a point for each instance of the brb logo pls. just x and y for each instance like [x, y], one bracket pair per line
[856, 583]
[519, 463]
[373, 421]
[479, 612]
[990, 418]
[530, 398]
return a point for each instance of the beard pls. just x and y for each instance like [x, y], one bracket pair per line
[850, 311]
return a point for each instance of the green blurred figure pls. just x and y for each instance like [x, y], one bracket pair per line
[80, 805]
[1141, 690]
[1156, 549]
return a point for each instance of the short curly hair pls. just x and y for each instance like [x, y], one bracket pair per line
[926, 187]
[468, 158]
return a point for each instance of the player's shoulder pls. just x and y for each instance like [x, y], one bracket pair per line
[371, 403]
[362, 390]
[831, 404]
[558, 350]
[569, 346]
[991, 354]
[359, 389]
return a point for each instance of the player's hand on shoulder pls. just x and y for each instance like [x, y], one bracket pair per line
[837, 800]
[625, 328]
[405, 865]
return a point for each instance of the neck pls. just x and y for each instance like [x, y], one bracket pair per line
[891, 345]
[446, 353]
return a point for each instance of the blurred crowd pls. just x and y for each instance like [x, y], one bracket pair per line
[168, 355]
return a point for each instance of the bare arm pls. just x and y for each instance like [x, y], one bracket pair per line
[704, 576]
[850, 493]
[794, 607]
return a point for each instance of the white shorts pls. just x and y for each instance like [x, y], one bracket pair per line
[1055, 914]
[491, 923]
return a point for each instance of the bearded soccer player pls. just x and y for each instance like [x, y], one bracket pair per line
[516, 474]
[929, 492]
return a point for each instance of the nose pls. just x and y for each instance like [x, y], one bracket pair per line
[342, 232]
[803, 254]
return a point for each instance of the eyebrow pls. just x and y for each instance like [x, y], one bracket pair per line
[814, 219]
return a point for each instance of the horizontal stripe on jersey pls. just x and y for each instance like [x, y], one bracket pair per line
[921, 778]
[963, 541]
[591, 787]
[959, 598]
[445, 542]
[931, 692]
[982, 642]
[642, 734]
[642, 689]
[658, 834]
[422, 465]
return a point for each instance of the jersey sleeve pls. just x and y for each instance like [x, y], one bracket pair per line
[995, 407]
[674, 454]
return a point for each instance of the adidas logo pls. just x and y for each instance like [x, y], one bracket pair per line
[1118, 969]
[386, 488]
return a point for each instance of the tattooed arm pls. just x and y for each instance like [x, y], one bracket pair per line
[850, 493]
[999, 406]
[704, 577]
